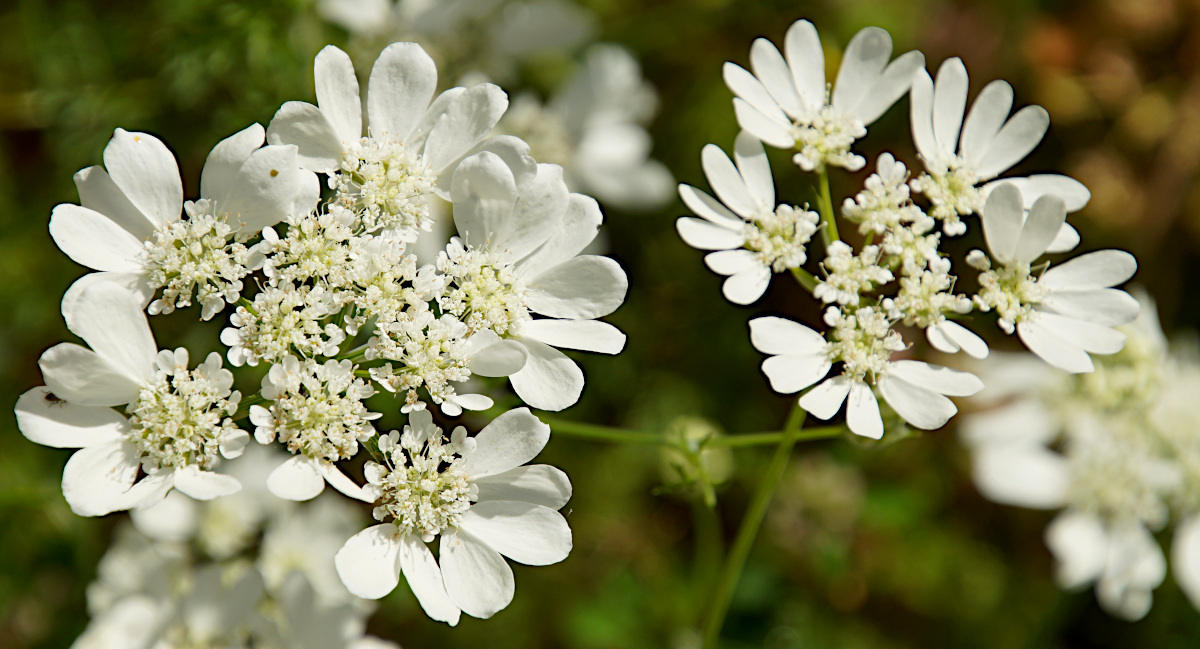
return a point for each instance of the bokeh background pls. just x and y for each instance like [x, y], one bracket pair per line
[865, 545]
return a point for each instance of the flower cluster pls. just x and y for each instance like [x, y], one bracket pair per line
[346, 306]
[900, 276]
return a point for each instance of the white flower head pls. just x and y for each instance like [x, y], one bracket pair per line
[473, 493]
[961, 154]
[180, 422]
[786, 103]
[864, 343]
[129, 225]
[1069, 310]
[752, 237]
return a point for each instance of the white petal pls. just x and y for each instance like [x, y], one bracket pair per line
[1053, 349]
[825, 400]
[342, 482]
[503, 358]
[576, 229]
[949, 337]
[467, 120]
[110, 319]
[726, 181]
[1185, 558]
[584, 335]
[297, 479]
[136, 283]
[1100, 269]
[512, 439]
[318, 146]
[1104, 306]
[791, 373]
[425, 579]
[1046, 219]
[549, 380]
[512, 150]
[96, 478]
[223, 162]
[863, 62]
[98, 192]
[146, 171]
[764, 128]
[1024, 422]
[524, 532]
[921, 113]
[337, 93]
[749, 88]
[92, 239]
[1080, 544]
[1024, 476]
[772, 70]
[732, 262]
[1019, 136]
[988, 114]
[747, 286]
[484, 193]
[477, 578]
[85, 378]
[709, 209]
[942, 380]
[1065, 241]
[205, 485]
[46, 419]
[862, 412]
[754, 168]
[581, 288]
[539, 484]
[174, 519]
[807, 62]
[265, 190]
[704, 235]
[1003, 216]
[896, 80]
[949, 101]
[1091, 337]
[773, 335]
[537, 214]
[915, 404]
[1073, 192]
[369, 562]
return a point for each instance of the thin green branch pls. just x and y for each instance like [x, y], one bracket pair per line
[757, 439]
[805, 278]
[825, 206]
[731, 572]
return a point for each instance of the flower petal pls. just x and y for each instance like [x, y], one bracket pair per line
[1003, 216]
[85, 378]
[576, 229]
[1073, 192]
[863, 62]
[403, 81]
[205, 485]
[221, 167]
[918, 406]
[425, 579]
[92, 239]
[96, 478]
[806, 59]
[727, 181]
[709, 208]
[98, 192]
[1045, 220]
[942, 380]
[1019, 136]
[297, 479]
[581, 288]
[1080, 544]
[705, 235]
[791, 373]
[369, 562]
[477, 578]
[549, 380]
[773, 335]
[732, 262]
[764, 128]
[266, 189]
[317, 143]
[1051, 348]
[540, 484]
[862, 412]
[1091, 337]
[986, 118]
[46, 419]
[110, 319]
[949, 337]
[502, 358]
[340, 481]
[1100, 269]
[773, 72]
[537, 214]
[484, 194]
[146, 171]
[1104, 306]
[524, 532]
[751, 90]
[512, 439]
[895, 81]
[1185, 558]
[825, 400]
[584, 335]
[468, 119]
[337, 93]
[1024, 476]
[921, 115]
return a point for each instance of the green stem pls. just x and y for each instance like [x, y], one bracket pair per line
[756, 439]
[603, 433]
[805, 278]
[248, 304]
[245, 403]
[825, 205]
[731, 572]
[352, 354]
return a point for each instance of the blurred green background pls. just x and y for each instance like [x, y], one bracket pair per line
[863, 547]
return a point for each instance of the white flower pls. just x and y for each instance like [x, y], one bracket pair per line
[520, 235]
[989, 145]
[180, 420]
[786, 103]
[752, 237]
[478, 497]
[129, 225]
[1070, 309]
[414, 141]
[1124, 561]
[319, 416]
[864, 343]
[593, 127]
